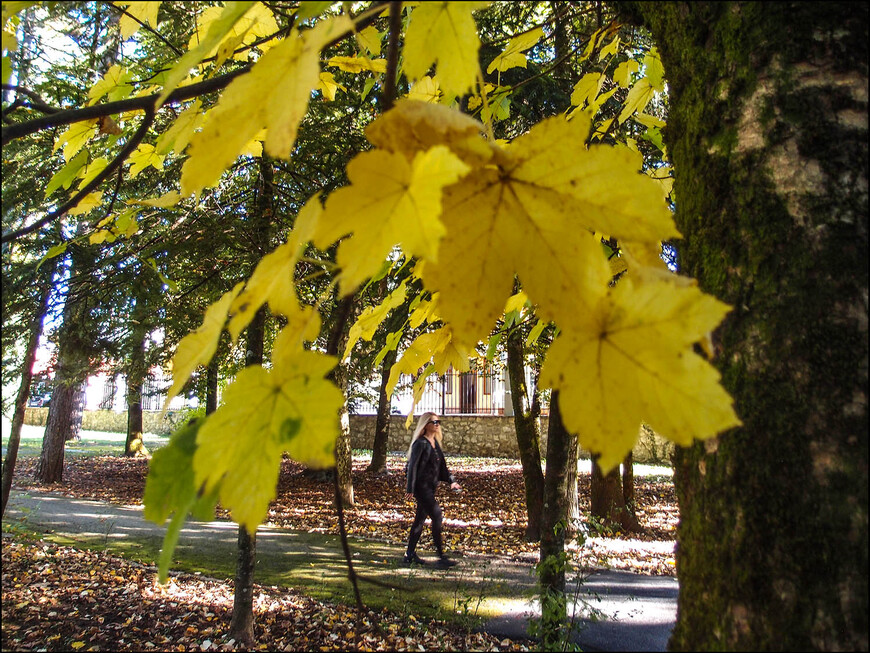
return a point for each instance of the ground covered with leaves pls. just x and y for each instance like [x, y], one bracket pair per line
[58, 598]
[61, 598]
[488, 517]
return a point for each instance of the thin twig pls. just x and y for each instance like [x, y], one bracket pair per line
[351, 574]
[148, 28]
[38, 103]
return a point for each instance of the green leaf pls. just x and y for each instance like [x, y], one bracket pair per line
[57, 250]
[240, 446]
[65, 175]
[535, 333]
[309, 9]
[492, 347]
[170, 490]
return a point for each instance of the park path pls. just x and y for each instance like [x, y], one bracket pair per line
[635, 612]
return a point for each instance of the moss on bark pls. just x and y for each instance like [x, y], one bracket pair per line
[768, 134]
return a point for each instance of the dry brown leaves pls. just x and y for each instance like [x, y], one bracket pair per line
[488, 517]
[63, 599]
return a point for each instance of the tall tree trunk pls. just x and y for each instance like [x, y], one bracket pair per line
[768, 130]
[75, 345]
[528, 435]
[572, 492]
[628, 483]
[551, 567]
[378, 464]
[242, 624]
[24, 388]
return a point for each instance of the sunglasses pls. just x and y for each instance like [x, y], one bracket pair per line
[436, 422]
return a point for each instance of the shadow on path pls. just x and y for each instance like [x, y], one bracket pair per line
[617, 611]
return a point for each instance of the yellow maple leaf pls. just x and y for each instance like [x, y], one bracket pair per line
[274, 95]
[534, 216]
[145, 12]
[512, 56]
[292, 408]
[438, 346]
[198, 347]
[115, 84]
[634, 350]
[413, 126]
[370, 39]
[144, 156]
[328, 86]
[390, 201]
[425, 90]
[358, 64]
[178, 135]
[371, 317]
[444, 32]
[74, 138]
[87, 203]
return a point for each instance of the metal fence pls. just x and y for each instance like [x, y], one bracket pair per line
[478, 392]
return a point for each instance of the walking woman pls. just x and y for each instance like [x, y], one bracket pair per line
[426, 468]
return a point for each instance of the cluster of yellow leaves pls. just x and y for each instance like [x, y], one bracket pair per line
[536, 209]
[476, 214]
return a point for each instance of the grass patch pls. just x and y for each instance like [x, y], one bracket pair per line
[91, 443]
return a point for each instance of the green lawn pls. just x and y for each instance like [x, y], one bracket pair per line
[92, 443]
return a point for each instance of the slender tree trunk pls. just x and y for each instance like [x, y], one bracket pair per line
[382, 423]
[628, 483]
[242, 624]
[767, 128]
[343, 451]
[552, 564]
[134, 417]
[608, 499]
[24, 388]
[211, 385]
[572, 494]
[528, 436]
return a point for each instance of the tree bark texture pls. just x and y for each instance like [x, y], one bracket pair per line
[528, 435]
[75, 346]
[378, 464]
[242, 624]
[24, 388]
[551, 567]
[767, 129]
[607, 492]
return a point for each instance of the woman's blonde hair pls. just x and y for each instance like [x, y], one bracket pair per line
[425, 418]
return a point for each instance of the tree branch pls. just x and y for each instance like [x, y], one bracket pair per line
[117, 162]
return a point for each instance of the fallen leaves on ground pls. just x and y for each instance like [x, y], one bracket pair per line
[488, 517]
[57, 598]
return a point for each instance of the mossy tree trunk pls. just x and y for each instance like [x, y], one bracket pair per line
[528, 434]
[552, 561]
[608, 500]
[767, 130]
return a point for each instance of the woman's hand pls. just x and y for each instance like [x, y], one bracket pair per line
[455, 487]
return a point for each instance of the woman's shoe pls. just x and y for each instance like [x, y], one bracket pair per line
[445, 563]
[413, 559]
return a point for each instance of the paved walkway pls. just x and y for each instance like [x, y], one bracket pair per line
[634, 612]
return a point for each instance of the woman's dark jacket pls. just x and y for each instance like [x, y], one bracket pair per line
[426, 467]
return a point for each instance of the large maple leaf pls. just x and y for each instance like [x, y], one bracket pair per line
[629, 360]
[534, 215]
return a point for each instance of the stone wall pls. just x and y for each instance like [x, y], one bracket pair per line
[470, 435]
[488, 435]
